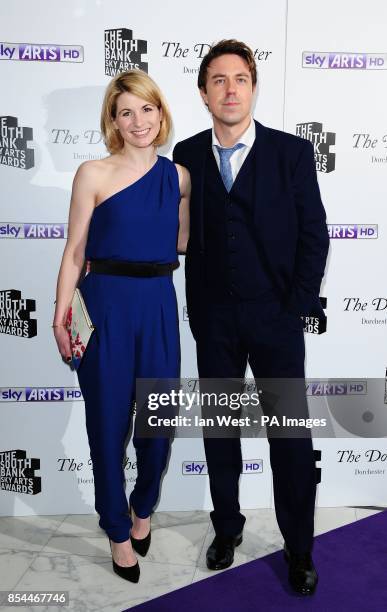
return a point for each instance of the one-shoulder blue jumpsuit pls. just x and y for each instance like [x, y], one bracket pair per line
[136, 336]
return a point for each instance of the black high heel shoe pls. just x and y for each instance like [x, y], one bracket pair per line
[131, 573]
[141, 546]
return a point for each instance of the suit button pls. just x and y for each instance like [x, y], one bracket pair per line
[231, 292]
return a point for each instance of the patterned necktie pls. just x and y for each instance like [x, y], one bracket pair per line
[225, 165]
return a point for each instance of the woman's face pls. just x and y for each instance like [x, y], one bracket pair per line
[137, 120]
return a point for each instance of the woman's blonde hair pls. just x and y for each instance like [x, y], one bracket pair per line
[139, 84]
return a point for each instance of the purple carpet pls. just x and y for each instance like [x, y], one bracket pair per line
[352, 566]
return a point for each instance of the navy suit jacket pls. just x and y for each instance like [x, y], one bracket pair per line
[289, 223]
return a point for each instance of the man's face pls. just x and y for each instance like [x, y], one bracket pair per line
[229, 90]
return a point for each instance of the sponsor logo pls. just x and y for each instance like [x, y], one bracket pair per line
[373, 456]
[33, 230]
[40, 394]
[352, 231]
[17, 473]
[341, 60]
[68, 143]
[37, 52]
[123, 52]
[375, 305]
[15, 314]
[355, 304]
[182, 51]
[322, 141]
[75, 465]
[63, 136]
[364, 141]
[317, 388]
[199, 468]
[13, 144]
[314, 325]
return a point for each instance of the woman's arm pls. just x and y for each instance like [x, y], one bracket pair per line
[81, 209]
[185, 192]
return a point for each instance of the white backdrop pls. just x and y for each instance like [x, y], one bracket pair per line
[313, 69]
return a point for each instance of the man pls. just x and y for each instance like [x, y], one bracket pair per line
[254, 265]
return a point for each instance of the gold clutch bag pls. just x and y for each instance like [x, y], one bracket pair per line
[79, 326]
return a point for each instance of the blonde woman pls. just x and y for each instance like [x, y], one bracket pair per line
[128, 218]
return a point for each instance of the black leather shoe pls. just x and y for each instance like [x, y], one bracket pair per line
[221, 552]
[131, 573]
[303, 577]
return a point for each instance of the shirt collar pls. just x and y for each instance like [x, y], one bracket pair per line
[247, 137]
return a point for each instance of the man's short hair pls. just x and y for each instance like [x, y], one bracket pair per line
[227, 47]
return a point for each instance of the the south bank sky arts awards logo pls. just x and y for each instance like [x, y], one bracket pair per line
[341, 60]
[315, 325]
[40, 52]
[14, 149]
[322, 141]
[15, 314]
[123, 52]
[17, 472]
[312, 325]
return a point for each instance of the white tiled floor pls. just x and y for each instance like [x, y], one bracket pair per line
[72, 553]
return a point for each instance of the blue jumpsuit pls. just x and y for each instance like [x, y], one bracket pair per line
[136, 336]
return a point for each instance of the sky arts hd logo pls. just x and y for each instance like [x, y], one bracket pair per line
[123, 52]
[318, 388]
[13, 144]
[321, 141]
[354, 231]
[37, 52]
[15, 313]
[33, 230]
[40, 394]
[199, 468]
[344, 61]
[17, 472]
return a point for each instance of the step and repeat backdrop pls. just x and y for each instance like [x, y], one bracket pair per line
[322, 75]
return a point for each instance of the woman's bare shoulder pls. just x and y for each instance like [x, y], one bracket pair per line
[93, 171]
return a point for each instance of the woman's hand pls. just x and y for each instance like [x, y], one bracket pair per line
[63, 341]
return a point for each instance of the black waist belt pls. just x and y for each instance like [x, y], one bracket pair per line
[132, 268]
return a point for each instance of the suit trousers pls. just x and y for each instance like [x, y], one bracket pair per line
[263, 334]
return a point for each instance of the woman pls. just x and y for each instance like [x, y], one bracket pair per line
[127, 210]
